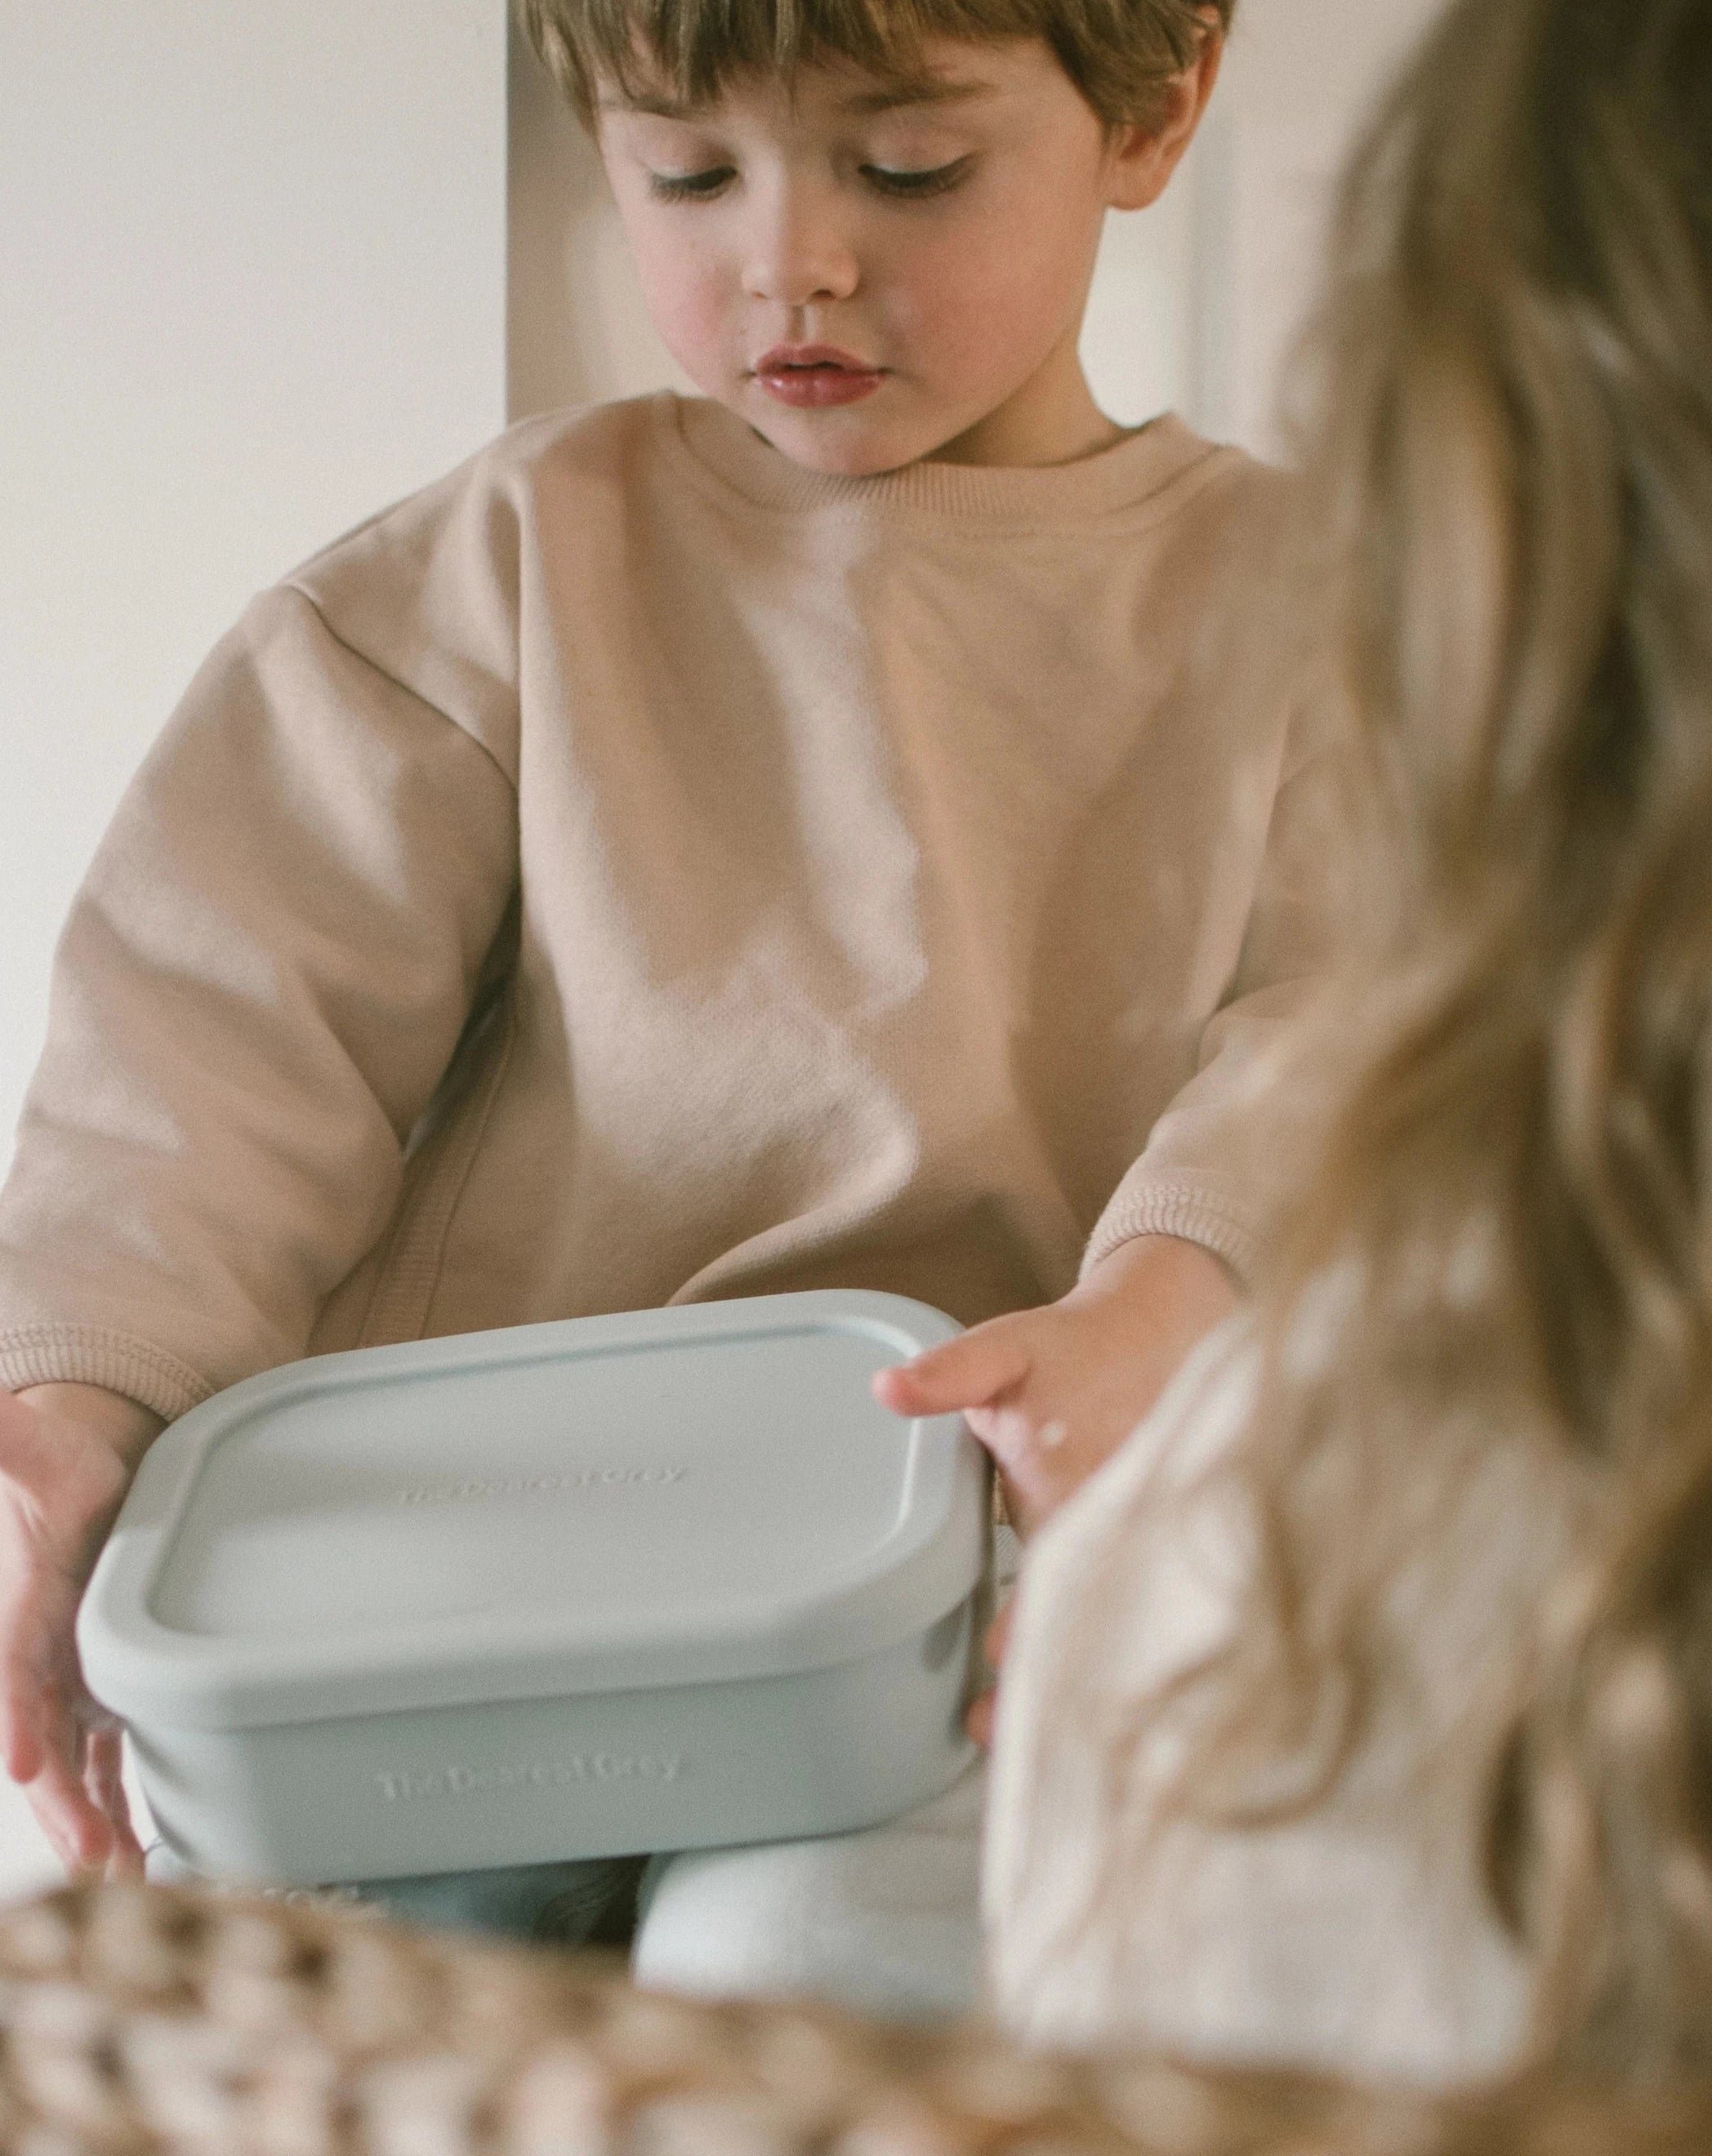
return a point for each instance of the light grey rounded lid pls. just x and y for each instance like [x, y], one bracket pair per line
[664, 1497]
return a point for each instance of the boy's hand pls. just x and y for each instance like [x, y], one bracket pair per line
[984, 1707]
[67, 1455]
[1052, 1393]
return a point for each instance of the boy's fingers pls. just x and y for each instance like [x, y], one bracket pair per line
[26, 1711]
[104, 1779]
[969, 1372]
[65, 1770]
[35, 1723]
[82, 1834]
[979, 1721]
[23, 1752]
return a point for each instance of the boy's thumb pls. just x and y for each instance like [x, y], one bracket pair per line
[969, 1372]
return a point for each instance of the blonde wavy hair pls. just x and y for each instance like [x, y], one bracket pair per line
[1509, 1236]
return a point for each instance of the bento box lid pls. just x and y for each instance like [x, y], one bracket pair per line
[661, 1497]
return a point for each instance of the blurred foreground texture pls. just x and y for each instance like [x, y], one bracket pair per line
[146, 2018]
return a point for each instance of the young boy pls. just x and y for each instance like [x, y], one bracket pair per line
[701, 848]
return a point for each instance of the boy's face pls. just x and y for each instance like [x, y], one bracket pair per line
[871, 275]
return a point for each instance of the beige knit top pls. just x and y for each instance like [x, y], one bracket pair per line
[1348, 1925]
[637, 869]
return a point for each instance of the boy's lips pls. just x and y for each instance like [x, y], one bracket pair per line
[815, 374]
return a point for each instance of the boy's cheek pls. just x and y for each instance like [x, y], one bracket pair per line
[683, 289]
[692, 323]
[950, 330]
[1030, 279]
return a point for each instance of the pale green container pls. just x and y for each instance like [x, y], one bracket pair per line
[664, 1580]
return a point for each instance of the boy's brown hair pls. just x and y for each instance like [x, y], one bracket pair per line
[1118, 53]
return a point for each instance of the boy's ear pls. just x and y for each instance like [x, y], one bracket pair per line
[1143, 159]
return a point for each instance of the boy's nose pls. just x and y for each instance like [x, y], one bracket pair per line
[800, 255]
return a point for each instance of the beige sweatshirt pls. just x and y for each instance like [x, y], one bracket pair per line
[638, 869]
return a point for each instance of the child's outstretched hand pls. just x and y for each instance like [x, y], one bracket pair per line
[67, 1455]
[1052, 1393]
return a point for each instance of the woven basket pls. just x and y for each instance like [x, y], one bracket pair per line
[138, 2019]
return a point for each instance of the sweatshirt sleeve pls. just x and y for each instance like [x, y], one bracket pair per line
[1211, 1160]
[262, 980]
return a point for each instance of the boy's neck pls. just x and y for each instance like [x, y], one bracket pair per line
[1053, 419]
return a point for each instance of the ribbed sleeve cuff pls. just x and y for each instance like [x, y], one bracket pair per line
[1175, 1208]
[86, 1355]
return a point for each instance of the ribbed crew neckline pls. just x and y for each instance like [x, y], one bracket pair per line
[1110, 481]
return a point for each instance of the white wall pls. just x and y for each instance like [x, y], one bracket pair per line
[1301, 79]
[252, 286]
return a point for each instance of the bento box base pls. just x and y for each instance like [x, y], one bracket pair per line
[470, 1787]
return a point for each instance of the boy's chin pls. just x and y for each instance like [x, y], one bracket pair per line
[838, 451]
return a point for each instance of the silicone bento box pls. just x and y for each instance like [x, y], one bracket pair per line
[656, 1581]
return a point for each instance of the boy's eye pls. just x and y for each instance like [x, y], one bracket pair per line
[690, 186]
[912, 186]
